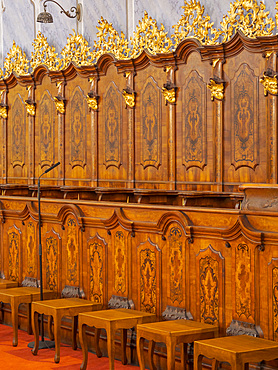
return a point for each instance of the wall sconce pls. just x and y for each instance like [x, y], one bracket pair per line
[46, 17]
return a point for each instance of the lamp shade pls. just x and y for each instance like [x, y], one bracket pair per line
[45, 17]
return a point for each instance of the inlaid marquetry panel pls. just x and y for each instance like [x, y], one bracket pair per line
[120, 262]
[52, 252]
[243, 280]
[273, 297]
[149, 259]
[112, 119]
[78, 130]
[210, 272]
[18, 132]
[14, 248]
[194, 121]
[245, 120]
[151, 125]
[72, 250]
[46, 126]
[96, 261]
[31, 250]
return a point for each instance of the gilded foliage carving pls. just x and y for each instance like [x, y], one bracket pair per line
[14, 250]
[96, 248]
[148, 284]
[243, 280]
[209, 290]
[120, 262]
[247, 16]
[31, 250]
[52, 263]
[72, 252]
[44, 54]
[176, 264]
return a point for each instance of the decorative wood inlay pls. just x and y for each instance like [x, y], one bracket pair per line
[243, 280]
[96, 255]
[14, 251]
[52, 262]
[78, 129]
[31, 250]
[46, 130]
[275, 301]
[151, 122]
[194, 126]
[176, 264]
[120, 261]
[18, 133]
[72, 248]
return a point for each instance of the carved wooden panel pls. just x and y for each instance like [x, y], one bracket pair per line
[72, 250]
[31, 251]
[78, 145]
[149, 259]
[273, 297]
[245, 117]
[210, 272]
[97, 269]
[14, 243]
[194, 119]
[52, 253]
[46, 132]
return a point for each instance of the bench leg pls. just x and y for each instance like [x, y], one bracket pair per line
[74, 332]
[84, 345]
[110, 346]
[123, 345]
[150, 354]
[50, 327]
[171, 347]
[14, 309]
[35, 325]
[97, 335]
[57, 336]
[140, 351]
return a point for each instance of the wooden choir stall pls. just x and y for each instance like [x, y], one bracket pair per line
[167, 190]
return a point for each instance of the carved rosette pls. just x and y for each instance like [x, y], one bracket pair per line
[120, 262]
[243, 280]
[216, 87]
[31, 250]
[176, 261]
[72, 252]
[96, 255]
[14, 249]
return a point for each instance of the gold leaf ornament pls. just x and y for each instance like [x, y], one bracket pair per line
[77, 50]
[16, 62]
[269, 82]
[216, 88]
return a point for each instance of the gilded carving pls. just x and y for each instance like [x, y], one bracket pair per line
[216, 88]
[243, 280]
[209, 290]
[30, 108]
[78, 130]
[18, 133]
[46, 130]
[51, 263]
[14, 250]
[31, 250]
[129, 98]
[120, 262]
[3, 112]
[72, 252]
[112, 114]
[169, 95]
[16, 62]
[270, 82]
[151, 122]
[194, 127]
[44, 54]
[77, 51]
[92, 102]
[176, 264]
[148, 285]
[244, 129]
[96, 248]
[59, 104]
